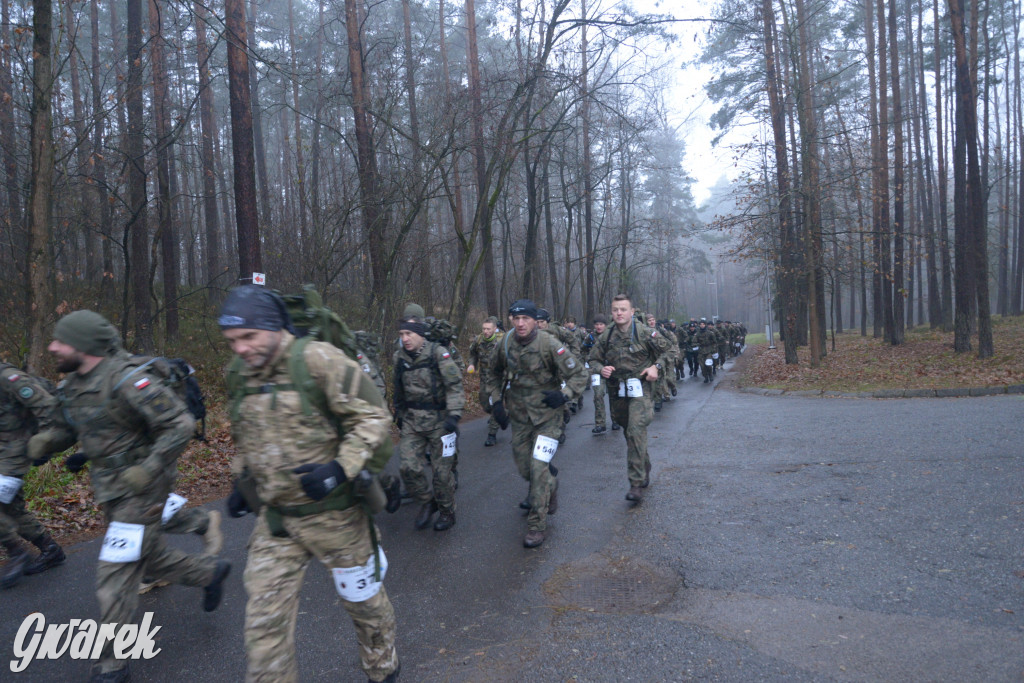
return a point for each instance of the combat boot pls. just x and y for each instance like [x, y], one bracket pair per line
[425, 514]
[657, 406]
[394, 496]
[50, 555]
[599, 429]
[616, 427]
[647, 475]
[491, 440]
[636, 494]
[17, 560]
[533, 538]
[213, 591]
[445, 521]
[213, 539]
[392, 677]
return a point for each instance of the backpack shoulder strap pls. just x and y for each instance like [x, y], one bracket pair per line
[311, 394]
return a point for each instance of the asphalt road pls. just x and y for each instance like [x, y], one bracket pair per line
[781, 539]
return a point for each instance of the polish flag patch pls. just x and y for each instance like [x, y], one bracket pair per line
[446, 355]
[560, 351]
[14, 378]
[654, 334]
[359, 356]
[142, 383]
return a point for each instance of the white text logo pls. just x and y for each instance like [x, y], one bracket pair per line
[81, 639]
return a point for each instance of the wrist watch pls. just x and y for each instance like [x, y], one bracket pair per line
[658, 365]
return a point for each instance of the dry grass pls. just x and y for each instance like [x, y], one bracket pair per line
[925, 361]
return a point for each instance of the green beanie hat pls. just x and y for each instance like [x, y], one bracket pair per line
[88, 332]
[413, 311]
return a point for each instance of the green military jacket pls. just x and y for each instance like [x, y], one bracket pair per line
[707, 340]
[428, 386]
[122, 419]
[628, 352]
[273, 434]
[520, 373]
[24, 403]
[567, 337]
[481, 349]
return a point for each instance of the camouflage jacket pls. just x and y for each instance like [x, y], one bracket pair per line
[520, 373]
[122, 417]
[481, 348]
[428, 386]
[628, 352]
[24, 403]
[673, 340]
[707, 340]
[273, 435]
[371, 367]
[567, 337]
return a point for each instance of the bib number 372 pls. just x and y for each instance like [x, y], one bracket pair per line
[123, 543]
[544, 448]
[356, 584]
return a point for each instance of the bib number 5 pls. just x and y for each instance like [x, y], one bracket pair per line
[544, 448]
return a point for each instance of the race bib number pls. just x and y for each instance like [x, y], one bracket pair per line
[695, 348]
[634, 388]
[171, 507]
[123, 543]
[708, 361]
[9, 487]
[448, 445]
[595, 380]
[356, 584]
[715, 356]
[544, 449]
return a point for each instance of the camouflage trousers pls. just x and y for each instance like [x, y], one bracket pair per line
[540, 474]
[410, 446]
[485, 402]
[669, 371]
[600, 390]
[16, 520]
[117, 583]
[634, 414]
[723, 353]
[273, 579]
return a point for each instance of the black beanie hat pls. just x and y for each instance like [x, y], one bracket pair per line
[253, 307]
[523, 307]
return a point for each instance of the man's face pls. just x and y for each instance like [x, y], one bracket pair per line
[411, 341]
[622, 311]
[542, 324]
[524, 325]
[254, 347]
[651, 322]
[68, 357]
[570, 326]
[599, 328]
[488, 329]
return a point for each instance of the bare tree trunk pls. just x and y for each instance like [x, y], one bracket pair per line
[14, 225]
[257, 122]
[899, 291]
[476, 105]
[166, 229]
[210, 215]
[136, 144]
[422, 229]
[40, 255]
[82, 152]
[785, 272]
[589, 304]
[940, 147]
[300, 164]
[250, 257]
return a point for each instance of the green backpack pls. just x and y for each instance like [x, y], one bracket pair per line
[313, 322]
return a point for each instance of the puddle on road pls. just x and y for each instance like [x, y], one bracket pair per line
[621, 585]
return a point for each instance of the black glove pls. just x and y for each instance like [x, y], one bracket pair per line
[451, 425]
[319, 480]
[76, 461]
[554, 399]
[238, 506]
[500, 414]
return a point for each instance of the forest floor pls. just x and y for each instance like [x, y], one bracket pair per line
[925, 361]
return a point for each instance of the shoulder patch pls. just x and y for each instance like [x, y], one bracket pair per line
[14, 378]
[560, 351]
[654, 333]
[570, 363]
[142, 383]
[25, 392]
[446, 355]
